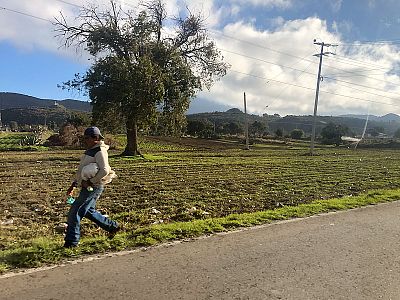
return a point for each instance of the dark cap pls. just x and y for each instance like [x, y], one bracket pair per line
[93, 132]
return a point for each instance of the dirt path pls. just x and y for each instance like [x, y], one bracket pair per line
[346, 255]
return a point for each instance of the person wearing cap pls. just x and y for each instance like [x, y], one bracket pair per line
[91, 189]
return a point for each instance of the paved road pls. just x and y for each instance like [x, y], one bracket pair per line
[346, 255]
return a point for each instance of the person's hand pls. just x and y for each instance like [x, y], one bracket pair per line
[70, 189]
[86, 183]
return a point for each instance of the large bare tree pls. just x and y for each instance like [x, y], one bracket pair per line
[138, 72]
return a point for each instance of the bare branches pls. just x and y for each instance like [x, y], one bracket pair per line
[70, 34]
[194, 45]
[158, 13]
[91, 23]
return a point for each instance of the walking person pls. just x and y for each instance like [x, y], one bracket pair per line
[91, 188]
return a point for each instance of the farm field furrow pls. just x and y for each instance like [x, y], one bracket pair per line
[184, 184]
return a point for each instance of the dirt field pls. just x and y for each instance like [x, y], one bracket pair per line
[183, 179]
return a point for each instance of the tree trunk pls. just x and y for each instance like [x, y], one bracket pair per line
[131, 148]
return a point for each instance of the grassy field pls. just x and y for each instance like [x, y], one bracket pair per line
[184, 180]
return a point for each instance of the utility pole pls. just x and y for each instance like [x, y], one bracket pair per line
[319, 79]
[246, 123]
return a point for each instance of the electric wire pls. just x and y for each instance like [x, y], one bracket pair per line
[266, 61]
[313, 89]
[355, 64]
[290, 55]
[363, 91]
[310, 73]
[69, 3]
[24, 14]
[362, 63]
[363, 43]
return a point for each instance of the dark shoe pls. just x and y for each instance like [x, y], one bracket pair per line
[69, 245]
[113, 232]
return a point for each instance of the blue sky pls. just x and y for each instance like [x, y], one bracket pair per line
[268, 43]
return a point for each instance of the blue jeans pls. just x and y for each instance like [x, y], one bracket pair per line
[85, 206]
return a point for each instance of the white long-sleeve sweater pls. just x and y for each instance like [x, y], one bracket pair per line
[99, 155]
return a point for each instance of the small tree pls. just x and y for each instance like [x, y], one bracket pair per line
[200, 128]
[257, 128]
[232, 128]
[296, 134]
[13, 126]
[279, 133]
[332, 133]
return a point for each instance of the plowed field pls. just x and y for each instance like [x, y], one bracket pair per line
[182, 180]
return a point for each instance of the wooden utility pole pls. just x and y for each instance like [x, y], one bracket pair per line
[246, 123]
[319, 79]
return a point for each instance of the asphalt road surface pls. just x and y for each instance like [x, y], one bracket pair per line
[346, 255]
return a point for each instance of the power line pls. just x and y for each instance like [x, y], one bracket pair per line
[311, 89]
[365, 86]
[277, 51]
[268, 62]
[364, 43]
[283, 89]
[257, 45]
[69, 3]
[356, 74]
[362, 63]
[365, 76]
[356, 64]
[80, 6]
[309, 73]
[359, 90]
[25, 14]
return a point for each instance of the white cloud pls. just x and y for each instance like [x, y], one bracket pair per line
[288, 43]
[342, 28]
[336, 5]
[265, 3]
[278, 21]
[287, 91]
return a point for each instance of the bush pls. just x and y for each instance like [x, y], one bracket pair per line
[54, 140]
[296, 134]
[279, 132]
[332, 133]
[69, 136]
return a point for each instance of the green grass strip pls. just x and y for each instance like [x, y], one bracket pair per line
[45, 251]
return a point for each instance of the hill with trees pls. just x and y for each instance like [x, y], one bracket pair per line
[218, 121]
[15, 100]
[21, 110]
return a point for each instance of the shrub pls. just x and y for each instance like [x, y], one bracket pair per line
[296, 134]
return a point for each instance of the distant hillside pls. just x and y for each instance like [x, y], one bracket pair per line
[387, 124]
[386, 118]
[231, 115]
[35, 116]
[14, 100]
